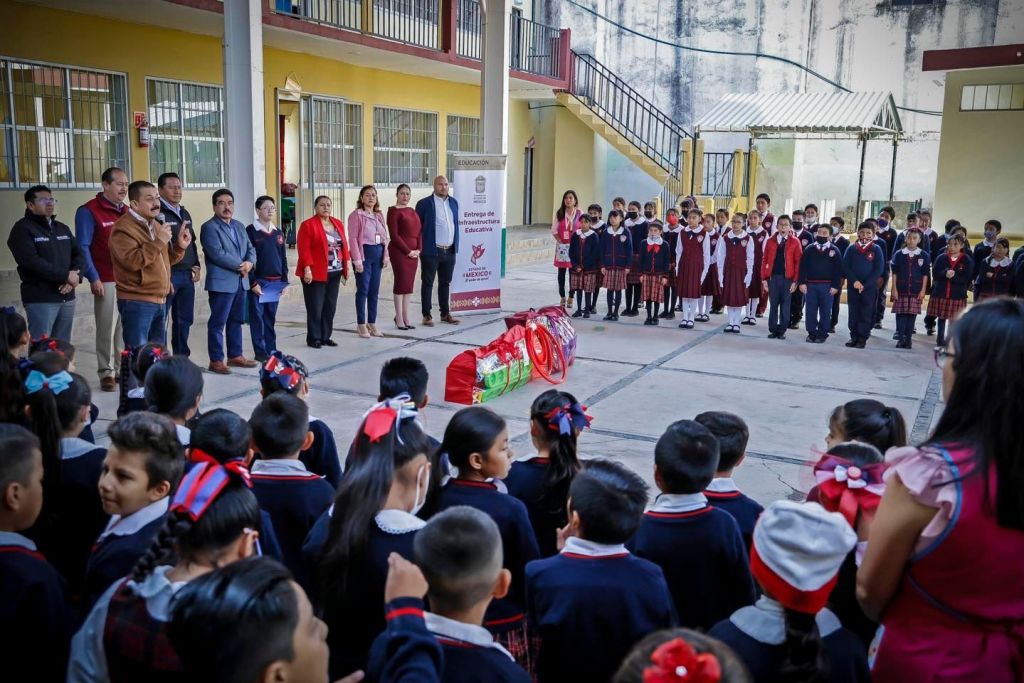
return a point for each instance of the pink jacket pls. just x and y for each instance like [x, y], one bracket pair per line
[365, 229]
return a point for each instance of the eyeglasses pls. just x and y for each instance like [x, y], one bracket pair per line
[941, 354]
[46, 200]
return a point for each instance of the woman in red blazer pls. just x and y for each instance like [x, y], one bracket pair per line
[323, 267]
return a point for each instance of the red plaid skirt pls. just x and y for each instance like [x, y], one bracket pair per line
[906, 305]
[634, 271]
[600, 279]
[651, 288]
[947, 309]
[517, 642]
[586, 280]
[614, 279]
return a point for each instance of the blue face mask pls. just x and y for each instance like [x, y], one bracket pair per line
[882, 223]
[990, 235]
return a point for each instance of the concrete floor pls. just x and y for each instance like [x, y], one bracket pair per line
[636, 380]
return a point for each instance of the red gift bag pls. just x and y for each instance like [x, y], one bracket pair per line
[484, 373]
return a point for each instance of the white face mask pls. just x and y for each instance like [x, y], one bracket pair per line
[424, 482]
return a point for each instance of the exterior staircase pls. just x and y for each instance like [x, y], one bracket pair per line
[629, 123]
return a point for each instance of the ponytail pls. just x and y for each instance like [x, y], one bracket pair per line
[870, 421]
[804, 658]
[547, 412]
[124, 382]
[470, 430]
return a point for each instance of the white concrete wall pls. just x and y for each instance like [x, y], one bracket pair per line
[865, 45]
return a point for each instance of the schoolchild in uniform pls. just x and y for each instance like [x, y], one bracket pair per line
[982, 250]
[542, 482]
[616, 261]
[271, 266]
[842, 243]
[174, 388]
[693, 259]
[732, 435]
[599, 226]
[863, 265]
[886, 234]
[282, 373]
[709, 285]
[590, 603]
[637, 228]
[759, 236]
[143, 465]
[722, 221]
[293, 496]
[869, 421]
[821, 276]
[735, 260]
[212, 521]
[135, 365]
[780, 270]
[910, 271]
[766, 218]
[61, 355]
[476, 444]
[912, 222]
[654, 263]
[374, 515]
[798, 549]
[805, 234]
[722, 228]
[33, 608]
[673, 231]
[995, 275]
[585, 256]
[681, 525]
[951, 273]
[460, 553]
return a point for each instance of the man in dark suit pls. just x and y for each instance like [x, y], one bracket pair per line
[439, 216]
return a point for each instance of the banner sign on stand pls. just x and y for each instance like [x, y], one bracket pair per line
[478, 184]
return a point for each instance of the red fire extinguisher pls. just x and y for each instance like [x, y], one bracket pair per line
[142, 125]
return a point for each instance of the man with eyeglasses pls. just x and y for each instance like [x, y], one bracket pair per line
[49, 265]
[94, 221]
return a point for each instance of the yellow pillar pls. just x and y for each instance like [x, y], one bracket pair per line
[751, 188]
[687, 165]
[698, 169]
[737, 174]
[366, 16]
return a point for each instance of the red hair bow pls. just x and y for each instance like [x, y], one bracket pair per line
[677, 662]
[848, 489]
[204, 482]
[235, 466]
[379, 421]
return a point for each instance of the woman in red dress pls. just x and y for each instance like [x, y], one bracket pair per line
[404, 249]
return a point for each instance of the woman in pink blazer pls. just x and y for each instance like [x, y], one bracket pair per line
[367, 241]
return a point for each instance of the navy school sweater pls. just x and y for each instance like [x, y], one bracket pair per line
[1001, 280]
[955, 287]
[33, 611]
[910, 270]
[518, 542]
[926, 243]
[864, 264]
[888, 236]
[322, 457]
[821, 265]
[406, 651]
[845, 654]
[703, 557]
[585, 252]
[638, 233]
[744, 509]
[590, 611]
[982, 250]
[293, 497]
[526, 481]
[115, 554]
[616, 249]
[86, 432]
[79, 511]
[271, 255]
[654, 258]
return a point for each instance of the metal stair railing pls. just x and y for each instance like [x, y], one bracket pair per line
[628, 113]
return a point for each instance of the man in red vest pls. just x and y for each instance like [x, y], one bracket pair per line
[94, 222]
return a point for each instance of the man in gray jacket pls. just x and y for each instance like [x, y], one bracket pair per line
[229, 257]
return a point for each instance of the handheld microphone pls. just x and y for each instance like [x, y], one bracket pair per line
[161, 218]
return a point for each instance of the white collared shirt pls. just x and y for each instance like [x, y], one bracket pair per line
[393, 521]
[444, 223]
[679, 502]
[443, 627]
[11, 538]
[125, 526]
[584, 235]
[279, 467]
[908, 252]
[72, 447]
[656, 240]
[616, 231]
[765, 621]
[137, 392]
[722, 485]
[184, 434]
[262, 228]
[581, 546]
[1003, 262]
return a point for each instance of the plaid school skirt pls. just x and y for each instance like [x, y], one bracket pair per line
[634, 271]
[519, 644]
[614, 279]
[906, 305]
[585, 280]
[651, 288]
[947, 309]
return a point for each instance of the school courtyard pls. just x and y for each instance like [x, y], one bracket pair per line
[635, 380]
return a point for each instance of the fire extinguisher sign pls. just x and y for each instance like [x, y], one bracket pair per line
[140, 119]
[142, 125]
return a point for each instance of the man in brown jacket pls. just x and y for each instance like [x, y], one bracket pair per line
[142, 255]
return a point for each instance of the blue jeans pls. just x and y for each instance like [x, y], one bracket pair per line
[368, 283]
[779, 300]
[50, 320]
[227, 310]
[142, 322]
[819, 308]
[181, 306]
[262, 318]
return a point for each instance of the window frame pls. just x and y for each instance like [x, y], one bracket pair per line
[354, 172]
[449, 150]
[433, 151]
[1015, 89]
[9, 130]
[183, 138]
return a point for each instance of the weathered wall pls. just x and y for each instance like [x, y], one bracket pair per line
[863, 44]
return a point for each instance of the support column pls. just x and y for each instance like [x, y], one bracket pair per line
[494, 76]
[860, 177]
[892, 169]
[245, 124]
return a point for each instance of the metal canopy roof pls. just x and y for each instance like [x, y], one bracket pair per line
[814, 115]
